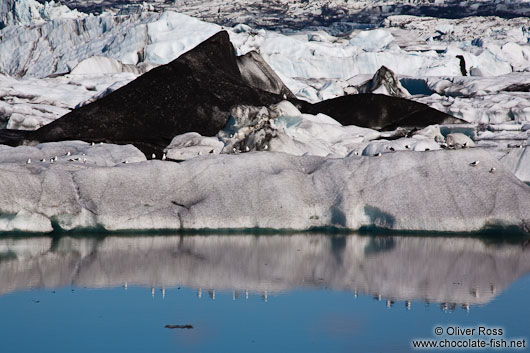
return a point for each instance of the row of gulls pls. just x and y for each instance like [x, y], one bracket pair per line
[247, 149]
[408, 304]
[55, 158]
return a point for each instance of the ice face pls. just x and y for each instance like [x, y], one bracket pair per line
[432, 191]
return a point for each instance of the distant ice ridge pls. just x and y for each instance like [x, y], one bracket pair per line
[59, 44]
[30, 12]
[430, 191]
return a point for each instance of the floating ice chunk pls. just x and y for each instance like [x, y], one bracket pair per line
[459, 140]
[374, 40]
[283, 128]
[384, 82]
[430, 132]
[191, 145]
[330, 90]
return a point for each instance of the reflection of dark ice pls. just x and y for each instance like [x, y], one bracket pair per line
[454, 272]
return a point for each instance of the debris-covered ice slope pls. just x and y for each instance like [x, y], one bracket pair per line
[431, 191]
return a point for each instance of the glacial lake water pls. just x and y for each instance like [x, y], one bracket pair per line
[259, 293]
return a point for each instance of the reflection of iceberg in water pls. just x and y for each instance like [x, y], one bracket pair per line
[446, 270]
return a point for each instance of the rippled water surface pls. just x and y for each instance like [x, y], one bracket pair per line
[268, 293]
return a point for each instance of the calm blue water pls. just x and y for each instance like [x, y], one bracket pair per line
[306, 293]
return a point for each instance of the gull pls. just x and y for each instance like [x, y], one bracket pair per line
[43, 160]
[247, 149]
[266, 147]
[153, 156]
[164, 157]
[28, 161]
[492, 170]
[67, 153]
[474, 163]
[125, 162]
[199, 153]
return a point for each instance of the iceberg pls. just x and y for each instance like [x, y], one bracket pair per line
[444, 191]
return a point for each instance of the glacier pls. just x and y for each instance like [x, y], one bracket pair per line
[327, 66]
[289, 158]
